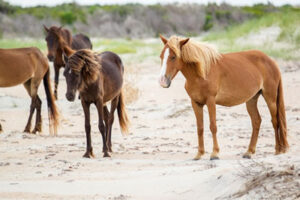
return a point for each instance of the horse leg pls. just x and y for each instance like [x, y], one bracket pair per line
[27, 86]
[211, 105]
[271, 102]
[101, 126]
[32, 108]
[106, 114]
[56, 79]
[256, 121]
[113, 107]
[34, 85]
[89, 149]
[38, 121]
[198, 110]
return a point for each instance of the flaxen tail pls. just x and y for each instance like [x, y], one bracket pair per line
[282, 129]
[52, 109]
[122, 114]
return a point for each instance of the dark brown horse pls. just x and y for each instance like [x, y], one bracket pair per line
[226, 79]
[78, 41]
[28, 66]
[99, 80]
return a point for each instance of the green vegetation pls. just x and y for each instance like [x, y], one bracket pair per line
[69, 13]
[208, 24]
[65, 13]
[20, 43]
[242, 24]
[120, 46]
[287, 19]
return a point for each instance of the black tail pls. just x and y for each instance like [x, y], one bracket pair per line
[52, 109]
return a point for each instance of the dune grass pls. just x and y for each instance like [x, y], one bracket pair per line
[287, 19]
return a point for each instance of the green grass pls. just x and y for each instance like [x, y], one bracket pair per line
[119, 46]
[20, 43]
[122, 46]
[134, 50]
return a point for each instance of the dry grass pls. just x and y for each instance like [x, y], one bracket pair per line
[266, 181]
[131, 92]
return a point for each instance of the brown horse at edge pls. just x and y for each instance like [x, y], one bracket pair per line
[226, 79]
[99, 78]
[28, 66]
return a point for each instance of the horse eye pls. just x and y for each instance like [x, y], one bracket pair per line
[173, 58]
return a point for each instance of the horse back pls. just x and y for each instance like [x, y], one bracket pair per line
[250, 62]
[241, 75]
[19, 65]
[80, 41]
[112, 71]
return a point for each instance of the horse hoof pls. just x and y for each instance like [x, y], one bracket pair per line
[214, 158]
[88, 155]
[247, 156]
[281, 151]
[106, 154]
[197, 157]
[26, 130]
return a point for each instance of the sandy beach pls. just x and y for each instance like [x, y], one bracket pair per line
[155, 160]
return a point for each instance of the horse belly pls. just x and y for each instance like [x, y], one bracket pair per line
[15, 70]
[13, 77]
[235, 91]
[232, 99]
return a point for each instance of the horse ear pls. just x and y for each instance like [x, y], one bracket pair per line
[45, 27]
[163, 39]
[183, 42]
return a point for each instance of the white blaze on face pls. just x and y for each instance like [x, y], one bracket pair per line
[164, 63]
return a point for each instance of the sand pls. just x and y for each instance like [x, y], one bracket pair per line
[155, 160]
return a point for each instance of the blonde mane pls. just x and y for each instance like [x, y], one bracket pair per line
[200, 55]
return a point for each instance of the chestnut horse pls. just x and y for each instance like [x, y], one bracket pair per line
[28, 66]
[99, 80]
[55, 54]
[226, 79]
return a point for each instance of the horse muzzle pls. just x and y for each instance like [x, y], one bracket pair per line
[50, 58]
[164, 81]
[70, 96]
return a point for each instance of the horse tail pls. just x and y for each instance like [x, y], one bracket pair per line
[282, 129]
[122, 114]
[53, 113]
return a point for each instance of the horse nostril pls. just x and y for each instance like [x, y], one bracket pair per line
[70, 97]
[164, 81]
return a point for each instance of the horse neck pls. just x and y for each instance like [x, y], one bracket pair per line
[66, 48]
[190, 73]
[66, 35]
